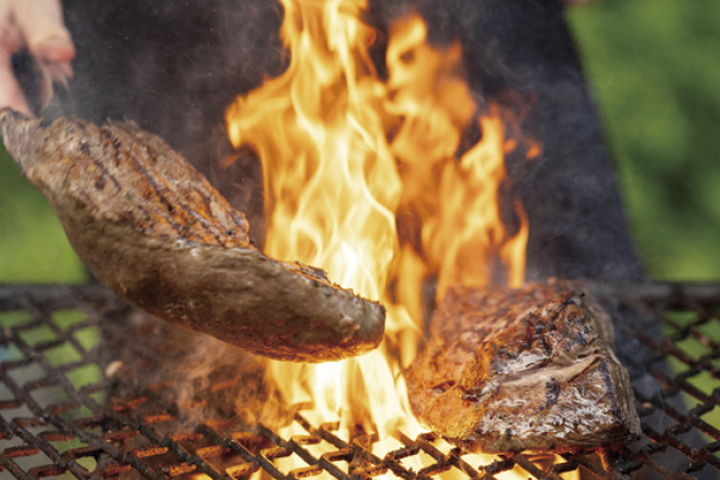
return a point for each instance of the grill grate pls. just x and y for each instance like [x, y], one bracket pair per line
[70, 408]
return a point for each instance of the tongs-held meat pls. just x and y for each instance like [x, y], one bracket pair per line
[527, 369]
[154, 231]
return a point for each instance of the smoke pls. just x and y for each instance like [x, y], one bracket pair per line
[206, 378]
[175, 66]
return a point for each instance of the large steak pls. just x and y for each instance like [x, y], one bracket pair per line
[526, 369]
[153, 230]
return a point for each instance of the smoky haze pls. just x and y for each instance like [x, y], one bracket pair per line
[174, 67]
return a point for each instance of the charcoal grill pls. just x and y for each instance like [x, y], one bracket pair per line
[64, 411]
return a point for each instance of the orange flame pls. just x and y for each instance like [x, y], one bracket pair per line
[361, 179]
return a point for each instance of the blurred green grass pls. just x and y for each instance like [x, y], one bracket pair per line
[654, 71]
[33, 246]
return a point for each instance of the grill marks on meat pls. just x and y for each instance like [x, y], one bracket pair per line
[525, 369]
[152, 229]
[139, 182]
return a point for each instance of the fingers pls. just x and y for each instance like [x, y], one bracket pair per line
[58, 71]
[41, 24]
[37, 25]
[11, 95]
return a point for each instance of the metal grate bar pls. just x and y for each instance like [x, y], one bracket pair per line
[126, 426]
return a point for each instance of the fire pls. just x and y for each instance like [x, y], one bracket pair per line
[362, 179]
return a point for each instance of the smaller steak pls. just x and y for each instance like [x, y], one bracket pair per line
[155, 232]
[508, 370]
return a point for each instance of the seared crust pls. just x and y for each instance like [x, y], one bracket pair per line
[152, 229]
[526, 369]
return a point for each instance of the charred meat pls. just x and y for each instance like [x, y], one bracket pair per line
[526, 369]
[154, 231]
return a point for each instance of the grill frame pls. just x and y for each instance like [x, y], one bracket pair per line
[141, 431]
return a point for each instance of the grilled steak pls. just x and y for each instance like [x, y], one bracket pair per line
[153, 230]
[526, 369]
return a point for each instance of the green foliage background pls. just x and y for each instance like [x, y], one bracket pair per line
[33, 246]
[654, 68]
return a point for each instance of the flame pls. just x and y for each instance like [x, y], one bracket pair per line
[362, 179]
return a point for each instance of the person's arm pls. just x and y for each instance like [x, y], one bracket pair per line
[35, 25]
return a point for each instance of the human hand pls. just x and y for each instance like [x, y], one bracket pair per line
[35, 25]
